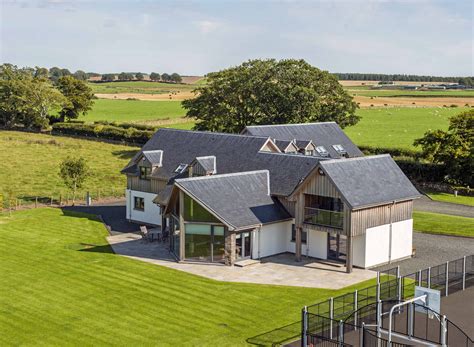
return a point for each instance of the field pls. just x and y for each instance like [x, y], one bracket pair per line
[62, 285]
[30, 164]
[443, 224]
[445, 197]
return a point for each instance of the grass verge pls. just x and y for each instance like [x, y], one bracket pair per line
[445, 197]
[62, 285]
[436, 223]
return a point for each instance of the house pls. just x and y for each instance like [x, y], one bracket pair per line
[269, 190]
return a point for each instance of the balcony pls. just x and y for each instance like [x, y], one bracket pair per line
[327, 218]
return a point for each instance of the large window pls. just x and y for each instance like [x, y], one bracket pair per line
[145, 172]
[139, 203]
[293, 234]
[204, 242]
[193, 212]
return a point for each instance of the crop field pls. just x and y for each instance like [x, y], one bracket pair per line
[62, 285]
[30, 164]
[139, 87]
[397, 127]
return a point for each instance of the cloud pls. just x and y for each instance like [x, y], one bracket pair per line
[207, 26]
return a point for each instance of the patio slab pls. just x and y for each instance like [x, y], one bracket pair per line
[278, 270]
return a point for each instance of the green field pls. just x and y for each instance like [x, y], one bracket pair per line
[365, 91]
[62, 285]
[140, 87]
[30, 164]
[437, 223]
[398, 127]
[445, 197]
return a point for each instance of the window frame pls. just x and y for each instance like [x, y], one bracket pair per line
[146, 174]
[139, 198]
[322, 151]
[304, 235]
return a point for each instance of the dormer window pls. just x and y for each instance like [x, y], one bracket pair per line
[339, 149]
[309, 152]
[181, 167]
[145, 172]
[322, 151]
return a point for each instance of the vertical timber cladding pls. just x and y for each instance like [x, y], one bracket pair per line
[148, 186]
[379, 215]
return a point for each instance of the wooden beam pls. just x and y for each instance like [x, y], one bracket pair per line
[181, 225]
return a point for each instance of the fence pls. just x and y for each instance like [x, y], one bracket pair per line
[11, 202]
[324, 319]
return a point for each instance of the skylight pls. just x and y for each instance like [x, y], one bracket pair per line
[322, 151]
[339, 149]
[181, 168]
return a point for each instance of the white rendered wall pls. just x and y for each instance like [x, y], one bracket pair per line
[271, 239]
[372, 248]
[151, 213]
[316, 244]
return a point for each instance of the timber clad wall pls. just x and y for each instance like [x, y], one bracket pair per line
[379, 215]
[289, 205]
[320, 185]
[149, 186]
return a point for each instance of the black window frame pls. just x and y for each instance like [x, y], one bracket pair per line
[145, 172]
[304, 235]
[142, 204]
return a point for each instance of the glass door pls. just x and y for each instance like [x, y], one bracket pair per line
[243, 245]
[337, 247]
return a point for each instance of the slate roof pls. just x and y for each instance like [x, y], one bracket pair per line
[322, 134]
[282, 144]
[302, 144]
[368, 181]
[154, 157]
[234, 153]
[240, 200]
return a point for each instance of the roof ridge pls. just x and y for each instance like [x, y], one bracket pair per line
[288, 124]
[267, 172]
[213, 133]
[330, 161]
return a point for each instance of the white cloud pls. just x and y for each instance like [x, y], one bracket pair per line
[207, 26]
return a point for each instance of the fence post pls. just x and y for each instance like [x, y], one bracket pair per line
[410, 319]
[341, 332]
[36, 202]
[356, 307]
[447, 278]
[464, 273]
[331, 315]
[429, 277]
[399, 289]
[361, 336]
[419, 277]
[444, 330]
[304, 338]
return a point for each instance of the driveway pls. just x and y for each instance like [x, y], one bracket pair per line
[428, 205]
[433, 250]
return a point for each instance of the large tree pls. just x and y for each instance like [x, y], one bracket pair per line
[155, 76]
[139, 76]
[454, 149]
[79, 95]
[175, 77]
[26, 99]
[270, 92]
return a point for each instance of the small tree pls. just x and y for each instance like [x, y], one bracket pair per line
[80, 75]
[166, 77]
[74, 172]
[176, 78]
[139, 76]
[109, 77]
[155, 76]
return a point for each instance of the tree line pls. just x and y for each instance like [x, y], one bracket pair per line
[468, 81]
[34, 98]
[154, 76]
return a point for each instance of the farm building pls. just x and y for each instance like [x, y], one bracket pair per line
[304, 189]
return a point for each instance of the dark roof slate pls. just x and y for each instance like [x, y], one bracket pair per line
[239, 200]
[208, 163]
[154, 157]
[367, 181]
[322, 134]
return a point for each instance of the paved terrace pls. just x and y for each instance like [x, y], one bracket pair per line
[278, 270]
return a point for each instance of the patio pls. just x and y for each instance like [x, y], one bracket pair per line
[278, 270]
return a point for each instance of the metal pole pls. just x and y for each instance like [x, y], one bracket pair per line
[356, 307]
[444, 330]
[341, 332]
[429, 277]
[331, 315]
[419, 277]
[304, 338]
[410, 320]
[396, 306]
[399, 289]
[464, 273]
[447, 278]
[361, 336]
[398, 271]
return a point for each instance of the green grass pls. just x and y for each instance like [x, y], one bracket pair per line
[443, 224]
[365, 91]
[398, 127]
[30, 164]
[61, 285]
[140, 87]
[445, 197]
[134, 110]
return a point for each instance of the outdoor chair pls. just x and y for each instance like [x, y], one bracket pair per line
[145, 234]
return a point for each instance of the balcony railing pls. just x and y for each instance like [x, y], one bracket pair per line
[327, 218]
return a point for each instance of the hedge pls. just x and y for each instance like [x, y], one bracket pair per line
[394, 152]
[128, 125]
[109, 132]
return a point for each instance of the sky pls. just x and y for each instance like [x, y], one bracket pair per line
[196, 37]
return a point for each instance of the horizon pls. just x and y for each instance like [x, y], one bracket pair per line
[431, 38]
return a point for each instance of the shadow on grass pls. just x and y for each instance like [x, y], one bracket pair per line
[96, 248]
[125, 154]
[67, 212]
[278, 336]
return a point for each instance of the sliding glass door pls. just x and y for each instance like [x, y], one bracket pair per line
[204, 242]
[242, 245]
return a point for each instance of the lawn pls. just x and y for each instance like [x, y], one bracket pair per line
[30, 164]
[134, 110]
[61, 285]
[398, 127]
[445, 197]
[443, 224]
